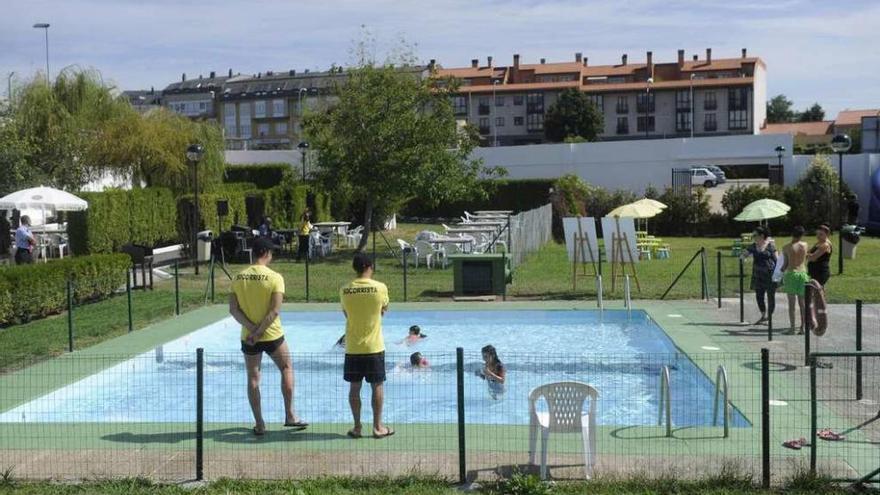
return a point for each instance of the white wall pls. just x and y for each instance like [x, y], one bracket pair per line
[633, 165]
[239, 157]
[857, 170]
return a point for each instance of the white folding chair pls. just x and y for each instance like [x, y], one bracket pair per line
[565, 405]
[414, 259]
[425, 250]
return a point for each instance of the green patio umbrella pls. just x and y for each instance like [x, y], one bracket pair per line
[762, 209]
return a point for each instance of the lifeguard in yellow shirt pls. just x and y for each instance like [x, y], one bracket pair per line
[364, 301]
[257, 293]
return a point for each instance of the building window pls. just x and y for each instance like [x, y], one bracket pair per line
[518, 121]
[244, 119]
[499, 121]
[598, 101]
[645, 102]
[737, 99]
[484, 125]
[683, 101]
[640, 123]
[535, 104]
[260, 109]
[518, 100]
[459, 105]
[484, 105]
[738, 119]
[281, 128]
[535, 122]
[499, 101]
[278, 108]
[709, 123]
[622, 125]
[682, 121]
[709, 101]
[263, 130]
[622, 105]
[203, 106]
[229, 120]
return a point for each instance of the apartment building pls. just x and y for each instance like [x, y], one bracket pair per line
[143, 100]
[194, 98]
[696, 97]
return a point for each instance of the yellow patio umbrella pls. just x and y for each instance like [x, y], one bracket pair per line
[644, 208]
[762, 209]
[652, 202]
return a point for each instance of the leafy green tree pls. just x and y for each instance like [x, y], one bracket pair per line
[779, 109]
[391, 137]
[813, 114]
[14, 151]
[573, 116]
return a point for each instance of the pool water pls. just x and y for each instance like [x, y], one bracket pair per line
[619, 354]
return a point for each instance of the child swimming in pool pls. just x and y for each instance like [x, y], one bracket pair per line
[493, 372]
[415, 335]
[417, 361]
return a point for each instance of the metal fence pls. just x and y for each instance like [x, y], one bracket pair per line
[529, 231]
[174, 416]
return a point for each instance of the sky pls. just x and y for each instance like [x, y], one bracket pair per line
[815, 51]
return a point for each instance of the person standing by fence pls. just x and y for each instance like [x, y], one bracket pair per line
[24, 242]
[364, 302]
[255, 302]
[763, 253]
[819, 256]
[795, 277]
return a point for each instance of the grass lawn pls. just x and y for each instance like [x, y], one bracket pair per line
[519, 485]
[544, 275]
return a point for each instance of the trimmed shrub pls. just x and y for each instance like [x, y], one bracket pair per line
[209, 220]
[263, 176]
[115, 218]
[684, 214]
[517, 195]
[35, 291]
[5, 240]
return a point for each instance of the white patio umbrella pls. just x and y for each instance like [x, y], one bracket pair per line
[42, 198]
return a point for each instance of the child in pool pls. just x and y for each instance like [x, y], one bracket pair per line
[417, 361]
[493, 372]
[415, 335]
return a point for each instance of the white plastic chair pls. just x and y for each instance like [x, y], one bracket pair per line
[414, 257]
[425, 250]
[353, 236]
[565, 403]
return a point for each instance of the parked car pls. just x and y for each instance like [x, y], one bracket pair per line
[703, 177]
[717, 172]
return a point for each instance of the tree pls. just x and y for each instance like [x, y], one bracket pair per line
[779, 110]
[813, 114]
[573, 116]
[390, 137]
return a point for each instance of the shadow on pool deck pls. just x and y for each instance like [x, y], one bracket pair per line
[240, 435]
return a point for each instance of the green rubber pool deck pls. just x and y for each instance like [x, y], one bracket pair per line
[694, 327]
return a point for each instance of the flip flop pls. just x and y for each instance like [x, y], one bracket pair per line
[796, 444]
[354, 434]
[827, 434]
[389, 431]
[297, 424]
[257, 432]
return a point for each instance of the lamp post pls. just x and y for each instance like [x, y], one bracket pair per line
[840, 144]
[194, 155]
[647, 100]
[693, 117]
[9, 86]
[301, 109]
[494, 117]
[45, 27]
[779, 151]
[303, 147]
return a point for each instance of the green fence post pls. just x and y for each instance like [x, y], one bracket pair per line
[765, 418]
[69, 315]
[459, 379]
[128, 295]
[811, 361]
[176, 288]
[718, 273]
[742, 304]
[858, 349]
[308, 257]
[405, 252]
[200, 413]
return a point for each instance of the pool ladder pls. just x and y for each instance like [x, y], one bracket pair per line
[721, 386]
[665, 402]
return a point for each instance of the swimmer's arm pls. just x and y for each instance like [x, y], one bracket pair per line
[238, 314]
[271, 315]
[492, 376]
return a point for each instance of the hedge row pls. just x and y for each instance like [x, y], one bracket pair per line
[263, 176]
[115, 218]
[34, 291]
[517, 195]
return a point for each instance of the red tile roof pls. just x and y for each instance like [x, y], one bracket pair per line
[609, 87]
[854, 117]
[799, 128]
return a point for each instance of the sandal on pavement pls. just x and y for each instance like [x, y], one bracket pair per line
[354, 434]
[796, 444]
[827, 434]
[388, 433]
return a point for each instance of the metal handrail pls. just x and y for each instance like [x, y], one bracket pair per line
[721, 379]
[599, 290]
[627, 294]
[665, 401]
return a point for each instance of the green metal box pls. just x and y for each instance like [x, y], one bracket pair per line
[480, 274]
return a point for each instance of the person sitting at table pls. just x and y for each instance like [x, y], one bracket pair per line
[305, 228]
[265, 228]
[24, 242]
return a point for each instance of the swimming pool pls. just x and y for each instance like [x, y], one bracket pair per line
[619, 353]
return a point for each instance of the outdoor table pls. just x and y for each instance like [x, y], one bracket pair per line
[466, 243]
[485, 223]
[495, 212]
[338, 228]
[472, 230]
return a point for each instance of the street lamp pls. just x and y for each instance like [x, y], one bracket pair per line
[840, 144]
[9, 86]
[45, 26]
[647, 99]
[693, 117]
[494, 117]
[194, 155]
[779, 151]
[303, 147]
[301, 109]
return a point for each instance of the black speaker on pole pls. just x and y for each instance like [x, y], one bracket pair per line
[222, 207]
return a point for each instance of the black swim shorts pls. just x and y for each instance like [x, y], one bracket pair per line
[269, 347]
[370, 367]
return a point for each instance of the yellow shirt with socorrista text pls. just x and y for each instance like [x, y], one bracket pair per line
[363, 300]
[253, 288]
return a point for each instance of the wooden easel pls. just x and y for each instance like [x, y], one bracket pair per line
[620, 251]
[582, 246]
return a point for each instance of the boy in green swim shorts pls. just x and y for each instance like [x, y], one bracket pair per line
[795, 277]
